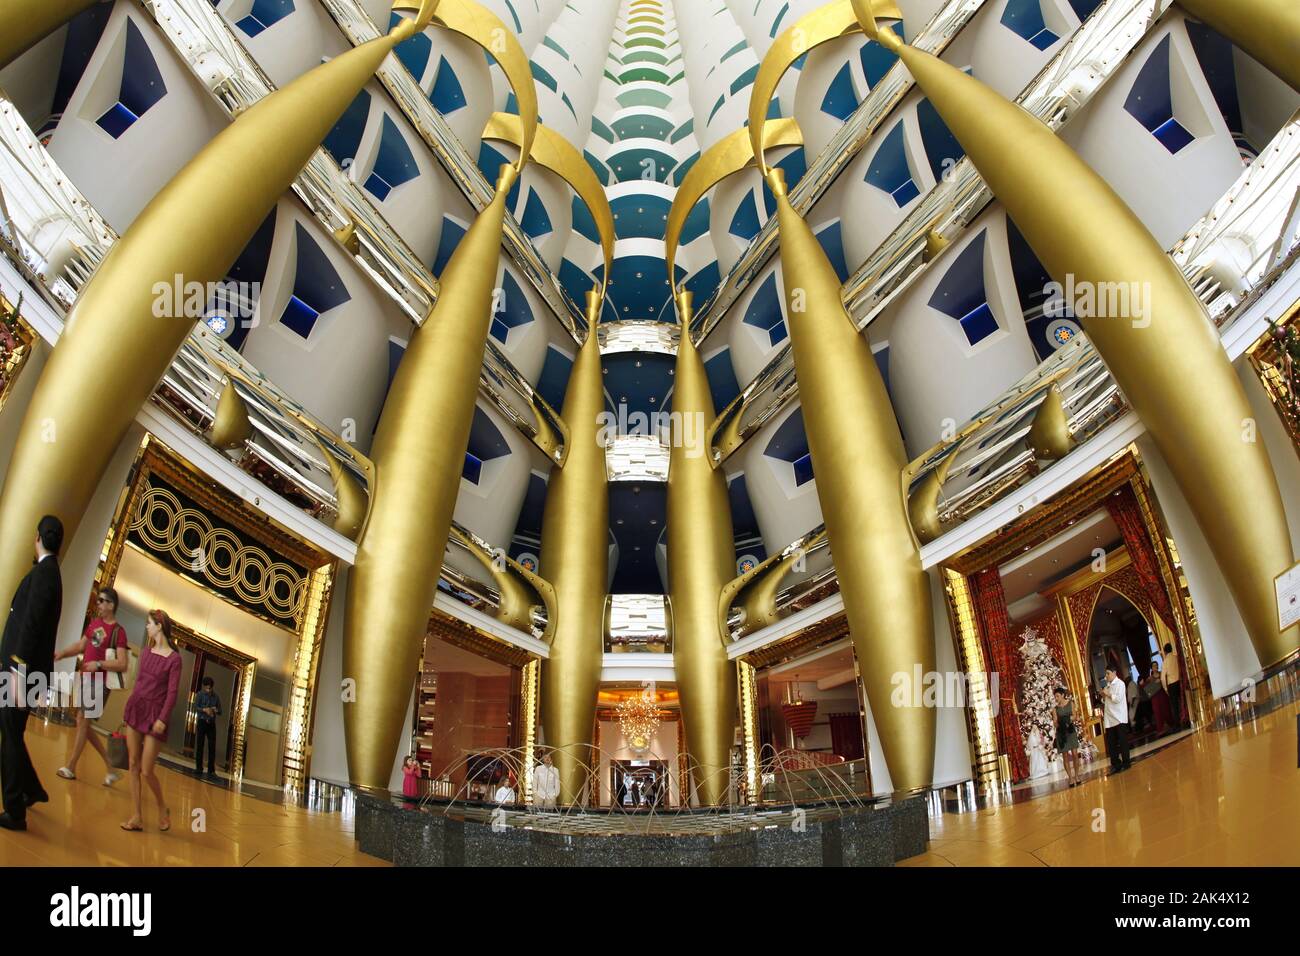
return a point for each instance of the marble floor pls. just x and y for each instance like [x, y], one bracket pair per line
[1211, 799]
[79, 826]
[1217, 799]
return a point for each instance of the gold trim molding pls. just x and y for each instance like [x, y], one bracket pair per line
[154, 457]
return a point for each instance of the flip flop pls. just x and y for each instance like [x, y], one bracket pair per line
[168, 826]
[131, 829]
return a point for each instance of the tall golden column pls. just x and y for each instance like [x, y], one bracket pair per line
[701, 559]
[857, 450]
[575, 559]
[418, 455]
[419, 447]
[1166, 356]
[25, 23]
[114, 349]
[1269, 30]
[858, 459]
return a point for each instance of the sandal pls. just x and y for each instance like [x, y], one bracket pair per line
[65, 773]
[132, 827]
[167, 825]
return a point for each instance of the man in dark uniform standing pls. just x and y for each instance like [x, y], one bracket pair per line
[26, 651]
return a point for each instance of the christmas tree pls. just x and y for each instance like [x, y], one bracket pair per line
[1040, 675]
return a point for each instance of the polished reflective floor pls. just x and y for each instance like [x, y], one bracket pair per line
[79, 826]
[1212, 799]
[1228, 799]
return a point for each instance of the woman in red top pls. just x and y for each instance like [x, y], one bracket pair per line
[146, 713]
[410, 778]
[103, 632]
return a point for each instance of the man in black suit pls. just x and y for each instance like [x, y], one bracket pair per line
[27, 650]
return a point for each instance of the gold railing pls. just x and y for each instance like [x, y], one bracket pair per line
[1258, 209]
[880, 102]
[17, 340]
[637, 623]
[357, 27]
[1275, 357]
[287, 450]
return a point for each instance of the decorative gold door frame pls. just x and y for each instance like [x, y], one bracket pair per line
[1042, 523]
[812, 638]
[747, 695]
[154, 457]
[1078, 670]
[530, 692]
[525, 686]
[243, 665]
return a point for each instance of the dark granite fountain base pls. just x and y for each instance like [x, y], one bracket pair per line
[435, 835]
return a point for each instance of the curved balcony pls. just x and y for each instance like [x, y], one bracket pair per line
[874, 110]
[230, 419]
[1227, 255]
[996, 467]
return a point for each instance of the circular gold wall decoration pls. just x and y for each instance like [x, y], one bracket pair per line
[186, 538]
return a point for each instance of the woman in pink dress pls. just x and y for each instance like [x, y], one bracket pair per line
[410, 778]
[147, 711]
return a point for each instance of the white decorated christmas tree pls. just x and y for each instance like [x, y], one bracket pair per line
[1040, 675]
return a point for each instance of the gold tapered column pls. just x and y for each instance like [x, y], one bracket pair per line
[1269, 30]
[351, 501]
[1166, 355]
[231, 427]
[575, 559]
[114, 349]
[858, 459]
[701, 559]
[1049, 435]
[418, 455]
[25, 23]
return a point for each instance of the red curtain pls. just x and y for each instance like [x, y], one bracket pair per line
[1001, 654]
[1127, 515]
[846, 736]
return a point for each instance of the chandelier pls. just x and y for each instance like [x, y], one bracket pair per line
[798, 713]
[638, 718]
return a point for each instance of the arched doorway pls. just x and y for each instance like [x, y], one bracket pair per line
[1120, 634]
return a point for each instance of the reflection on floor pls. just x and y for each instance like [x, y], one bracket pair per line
[1225, 798]
[1211, 799]
[965, 798]
[79, 826]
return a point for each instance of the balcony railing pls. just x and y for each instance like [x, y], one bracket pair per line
[202, 40]
[986, 461]
[16, 342]
[55, 239]
[1056, 95]
[875, 109]
[1275, 358]
[637, 623]
[357, 27]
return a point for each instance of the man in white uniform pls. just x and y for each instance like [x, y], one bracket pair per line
[546, 783]
[1116, 721]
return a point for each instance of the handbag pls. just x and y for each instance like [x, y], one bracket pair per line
[1064, 724]
[117, 680]
[117, 755]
